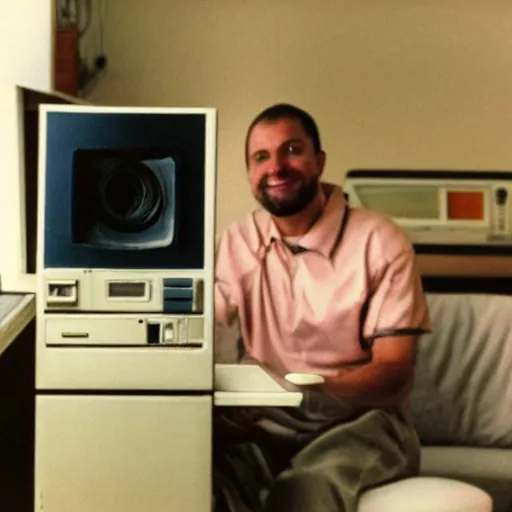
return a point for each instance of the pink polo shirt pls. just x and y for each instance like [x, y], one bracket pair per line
[353, 280]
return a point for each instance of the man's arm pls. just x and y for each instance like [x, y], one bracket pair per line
[396, 316]
[385, 381]
[227, 330]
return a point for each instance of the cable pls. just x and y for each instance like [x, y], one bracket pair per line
[101, 10]
[88, 7]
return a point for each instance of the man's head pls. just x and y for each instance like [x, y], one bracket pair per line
[284, 159]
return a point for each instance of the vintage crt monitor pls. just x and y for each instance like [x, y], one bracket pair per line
[440, 208]
[126, 246]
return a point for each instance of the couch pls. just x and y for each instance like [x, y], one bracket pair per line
[462, 399]
[462, 407]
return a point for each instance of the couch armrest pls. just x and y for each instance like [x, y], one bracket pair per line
[467, 462]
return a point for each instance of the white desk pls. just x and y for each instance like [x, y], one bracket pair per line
[249, 385]
[16, 311]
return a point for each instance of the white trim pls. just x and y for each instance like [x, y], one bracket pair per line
[41, 193]
[209, 229]
[95, 109]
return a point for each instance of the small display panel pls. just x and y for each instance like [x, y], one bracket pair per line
[127, 289]
[465, 205]
[401, 201]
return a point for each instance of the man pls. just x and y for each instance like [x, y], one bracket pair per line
[318, 287]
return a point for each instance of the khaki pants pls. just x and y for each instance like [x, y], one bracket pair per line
[321, 470]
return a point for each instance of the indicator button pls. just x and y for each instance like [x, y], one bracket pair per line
[168, 334]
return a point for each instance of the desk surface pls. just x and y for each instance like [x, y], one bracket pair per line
[16, 311]
[249, 385]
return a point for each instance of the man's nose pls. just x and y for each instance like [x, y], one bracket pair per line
[276, 163]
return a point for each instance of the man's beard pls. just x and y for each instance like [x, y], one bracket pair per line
[295, 202]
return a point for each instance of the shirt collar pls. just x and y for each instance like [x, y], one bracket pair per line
[322, 236]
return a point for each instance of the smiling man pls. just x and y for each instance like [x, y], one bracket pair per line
[317, 287]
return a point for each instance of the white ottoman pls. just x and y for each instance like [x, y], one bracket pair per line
[425, 494]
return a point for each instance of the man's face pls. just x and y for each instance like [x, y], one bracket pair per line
[284, 170]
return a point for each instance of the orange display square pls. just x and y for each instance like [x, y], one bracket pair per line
[465, 205]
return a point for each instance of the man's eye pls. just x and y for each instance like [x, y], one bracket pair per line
[259, 157]
[294, 150]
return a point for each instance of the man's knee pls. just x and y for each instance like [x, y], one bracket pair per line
[303, 491]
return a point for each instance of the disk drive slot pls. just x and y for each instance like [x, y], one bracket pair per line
[153, 332]
[173, 331]
[87, 331]
[61, 292]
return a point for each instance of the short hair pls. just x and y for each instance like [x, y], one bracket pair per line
[285, 111]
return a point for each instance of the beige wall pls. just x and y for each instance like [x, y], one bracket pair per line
[392, 83]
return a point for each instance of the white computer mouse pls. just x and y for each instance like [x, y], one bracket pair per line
[304, 379]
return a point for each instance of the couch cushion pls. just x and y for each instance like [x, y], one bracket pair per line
[463, 384]
[490, 469]
[426, 495]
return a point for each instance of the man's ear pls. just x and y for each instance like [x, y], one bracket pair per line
[320, 161]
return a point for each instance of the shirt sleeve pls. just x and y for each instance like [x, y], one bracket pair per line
[225, 309]
[227, 331]
[396, 305]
